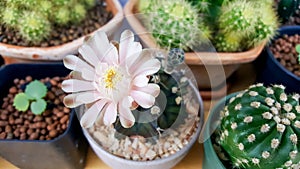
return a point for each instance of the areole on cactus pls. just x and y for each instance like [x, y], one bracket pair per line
[260, 128]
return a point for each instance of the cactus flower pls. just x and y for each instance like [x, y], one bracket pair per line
[110, 78]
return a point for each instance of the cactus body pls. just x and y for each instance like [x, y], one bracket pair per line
[260, 128]
[173, 23]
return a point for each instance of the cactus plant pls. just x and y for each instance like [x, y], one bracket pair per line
[286, 8]
[34, 18]
[260, 128]
[174, 24]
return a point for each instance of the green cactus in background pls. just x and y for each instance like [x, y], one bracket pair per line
[260, 128]
[227, 42]
[286, 8]
[173, 23]
[34, 18]
[34, 27]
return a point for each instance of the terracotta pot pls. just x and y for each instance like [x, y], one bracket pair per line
[210, 69]
[13, 53]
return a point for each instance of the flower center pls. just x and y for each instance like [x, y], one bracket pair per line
[110, 77]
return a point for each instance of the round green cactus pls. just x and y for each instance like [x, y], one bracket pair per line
[227, 42]
[260, 128]
[173, 24]
[10, 16]
[78, 13]
[34, 27]
[62, 15]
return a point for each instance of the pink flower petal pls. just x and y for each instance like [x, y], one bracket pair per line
[151, 88]
[110, 114]
[88, 54]
[143, 99]
[74, 85]
[99, 43]
[88, 75]
[91, 115]
[127, 46]
[140, 81]
[76, 75]
[111, 55]
[74, 63]
[126, 117]
[147, 68]
[137, 59]
[76, 99]
[100, 68]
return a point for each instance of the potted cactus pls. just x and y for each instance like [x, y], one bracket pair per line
[140, 107]
[49, 30]
[36, 130]
[281, 59]
[193, 25]
[257, 128]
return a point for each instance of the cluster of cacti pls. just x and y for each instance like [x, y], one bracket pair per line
[169, 104]
[260, 128]
[174, 24]
[232, 25]
[34, 19]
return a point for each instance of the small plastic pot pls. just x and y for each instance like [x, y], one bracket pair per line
[68, 151]
[272, 72]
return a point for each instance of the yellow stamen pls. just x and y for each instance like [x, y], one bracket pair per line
[109, 78]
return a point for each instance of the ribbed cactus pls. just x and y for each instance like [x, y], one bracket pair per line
[260, 128]
[34, 18]
[173, 86]
[173, 23]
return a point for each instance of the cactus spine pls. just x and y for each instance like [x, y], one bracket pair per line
[260, 128]
[173, 23]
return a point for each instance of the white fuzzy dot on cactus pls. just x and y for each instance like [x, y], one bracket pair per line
[291, 116]
[283, 97]
[297, 124]
[267, 115]
[274, 110]
[288, 163]
[233, 126]
[287, 107]
[239, 95]
[238, 107]
[294, 138]
[174, 89]
[286, 121]
[274, 143]
[231, 99]
[278, 105]
[255, 104]
[255, 161]
[296, 96]
[155, 110]
[265, 128]
[253, 93]
[280, 128]
[178, 100]
[241, 146]
[265, 154]
[293, 154]
[248, 119]
[269, 101]
[270, 91]
[251, 138]
[226, 133]
[297, 109]
[279, 86]
[277, 119]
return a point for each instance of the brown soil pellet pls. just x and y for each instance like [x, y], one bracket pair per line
[25, 125]
[95, 18]
[284, 51]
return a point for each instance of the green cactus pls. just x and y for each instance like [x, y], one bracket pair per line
[227, 42]
[173, 23]
[34, 27]
[286, 8]
[16, 15]
[174, 86]
[260, 128]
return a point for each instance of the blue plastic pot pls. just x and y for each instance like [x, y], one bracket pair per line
[68, 151]
[272, 72]
[211, 159]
